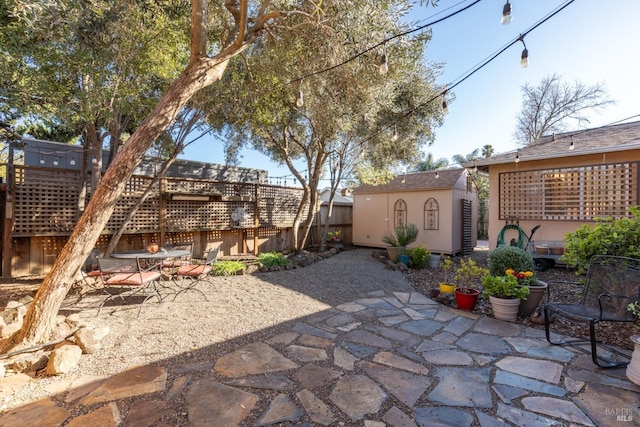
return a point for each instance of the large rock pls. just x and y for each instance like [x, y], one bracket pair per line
[14, 312]
[63, 359]
[90, 339]
[30, 361]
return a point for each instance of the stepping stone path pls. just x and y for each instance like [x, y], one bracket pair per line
[391, 359]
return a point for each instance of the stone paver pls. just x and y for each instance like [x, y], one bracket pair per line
[396, 359]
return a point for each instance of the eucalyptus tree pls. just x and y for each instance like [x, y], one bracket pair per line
[89, 70]
[316, 97]
[218, 33]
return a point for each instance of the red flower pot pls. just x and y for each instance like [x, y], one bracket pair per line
[467, 300]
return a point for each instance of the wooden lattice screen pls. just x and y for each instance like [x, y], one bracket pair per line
[580, 193]
[45, 204]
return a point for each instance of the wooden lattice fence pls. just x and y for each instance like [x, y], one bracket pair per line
[236, 217]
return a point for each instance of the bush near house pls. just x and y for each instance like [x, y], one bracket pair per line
[273, 259]
[619, 237]
[504, 257]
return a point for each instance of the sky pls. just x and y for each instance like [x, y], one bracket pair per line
[590, 41]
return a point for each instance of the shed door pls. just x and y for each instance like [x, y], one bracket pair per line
[467, 227]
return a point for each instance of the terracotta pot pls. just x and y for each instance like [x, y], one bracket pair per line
[505, 308]
[633, 368]
[467, 300]
[447, 288]
[394, 252]
[533, 299]
[153, 247]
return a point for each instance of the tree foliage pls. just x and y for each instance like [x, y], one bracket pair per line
[286, 99]
[550, 106]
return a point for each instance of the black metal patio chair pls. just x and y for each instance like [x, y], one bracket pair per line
[611, 283]
[130, 279]
[187, 277]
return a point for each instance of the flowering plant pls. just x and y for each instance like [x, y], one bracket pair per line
[634, 308]
[525, 278]
[507, 286]
[333, 236]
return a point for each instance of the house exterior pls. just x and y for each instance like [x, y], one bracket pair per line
[443, 204]
[563, 181]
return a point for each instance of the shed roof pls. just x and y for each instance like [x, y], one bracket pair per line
[416, 181]
[603, 139]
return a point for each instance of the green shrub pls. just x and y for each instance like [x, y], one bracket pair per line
[608, 236]
[504, 257]
[228, 268]
[418, 257]
[503, 287]
[403, 236]
[272, 259]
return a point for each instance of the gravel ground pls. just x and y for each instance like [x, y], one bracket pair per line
[241, 309]
[244, 309]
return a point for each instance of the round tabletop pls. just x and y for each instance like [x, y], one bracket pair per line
[161, 254]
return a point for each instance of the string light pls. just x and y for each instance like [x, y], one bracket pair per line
[55, 162]
[394, 137]
[506, 14]
[445, 107]
[437, 175]
[571, 146]
[524, 57]
[94, 160]
[72, 162]
[517, 160]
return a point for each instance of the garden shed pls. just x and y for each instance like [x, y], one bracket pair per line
[563, 181]
[442, 204]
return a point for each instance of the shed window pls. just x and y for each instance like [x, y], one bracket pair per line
[400, 213]
[431, 214]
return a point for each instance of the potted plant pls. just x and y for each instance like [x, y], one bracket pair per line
[505, 294]
[633, 368]
[334, 240]
[467, 275]
[397, 242]
[520, 263]
[446, 264]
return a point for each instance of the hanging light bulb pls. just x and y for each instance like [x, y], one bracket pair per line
[55, 162]
[384, 67]
[41, 160]
[571, 146]
[517, 160]
[299, 99]
[94, 160]
[445, 107]
[437, 175]
[524, 57]
[394, 137]
[506, 14]
[72, 162]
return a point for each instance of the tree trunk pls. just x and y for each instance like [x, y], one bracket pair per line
[39, 321]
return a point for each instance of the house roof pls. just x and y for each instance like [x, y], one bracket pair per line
[338, 198]
[588, 141]
[416, 181]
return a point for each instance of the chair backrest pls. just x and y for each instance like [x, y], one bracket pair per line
[91, 262]
[618, 278]
[109, 266]
[211, 256]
